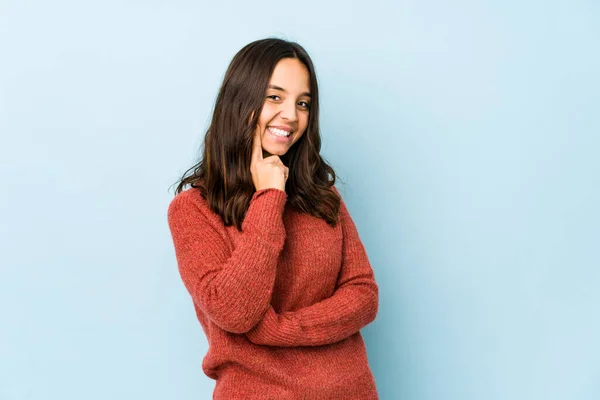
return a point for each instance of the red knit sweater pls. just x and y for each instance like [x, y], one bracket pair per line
[281, 302]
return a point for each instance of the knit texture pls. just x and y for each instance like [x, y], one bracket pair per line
[281, 303]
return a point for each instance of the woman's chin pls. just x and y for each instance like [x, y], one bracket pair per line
[270, 151]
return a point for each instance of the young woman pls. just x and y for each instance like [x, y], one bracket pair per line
[278, 275]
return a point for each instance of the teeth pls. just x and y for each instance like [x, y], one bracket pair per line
[279, 132]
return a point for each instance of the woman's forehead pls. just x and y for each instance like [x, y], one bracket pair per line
[290, 76]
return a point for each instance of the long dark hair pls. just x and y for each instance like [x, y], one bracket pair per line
[223, 173]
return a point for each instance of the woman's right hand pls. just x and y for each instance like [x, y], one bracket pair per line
[267, 172]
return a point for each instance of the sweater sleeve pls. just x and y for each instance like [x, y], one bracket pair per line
[353, 305]
[232, 287]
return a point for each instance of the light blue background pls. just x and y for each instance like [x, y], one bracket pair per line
[467, 133]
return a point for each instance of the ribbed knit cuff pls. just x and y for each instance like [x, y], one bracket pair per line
[265, 215]
[275, 329]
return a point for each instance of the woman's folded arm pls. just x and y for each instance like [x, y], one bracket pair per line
[353, 305]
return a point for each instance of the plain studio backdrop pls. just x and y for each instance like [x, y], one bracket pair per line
[466, 134]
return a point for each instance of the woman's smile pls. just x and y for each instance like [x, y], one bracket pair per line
[279, 135]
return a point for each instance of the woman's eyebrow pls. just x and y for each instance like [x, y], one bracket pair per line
[283, 90]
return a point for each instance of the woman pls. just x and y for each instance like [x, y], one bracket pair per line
[279, 278]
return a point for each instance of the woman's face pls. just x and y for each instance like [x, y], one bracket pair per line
[286, 107]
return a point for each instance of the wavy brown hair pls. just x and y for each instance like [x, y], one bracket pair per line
[223, 174]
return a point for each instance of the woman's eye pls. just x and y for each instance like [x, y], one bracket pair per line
[304, 104]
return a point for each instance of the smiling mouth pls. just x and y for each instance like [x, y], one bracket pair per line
[278, 132]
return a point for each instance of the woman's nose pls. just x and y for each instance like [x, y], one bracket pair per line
[288, 111]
